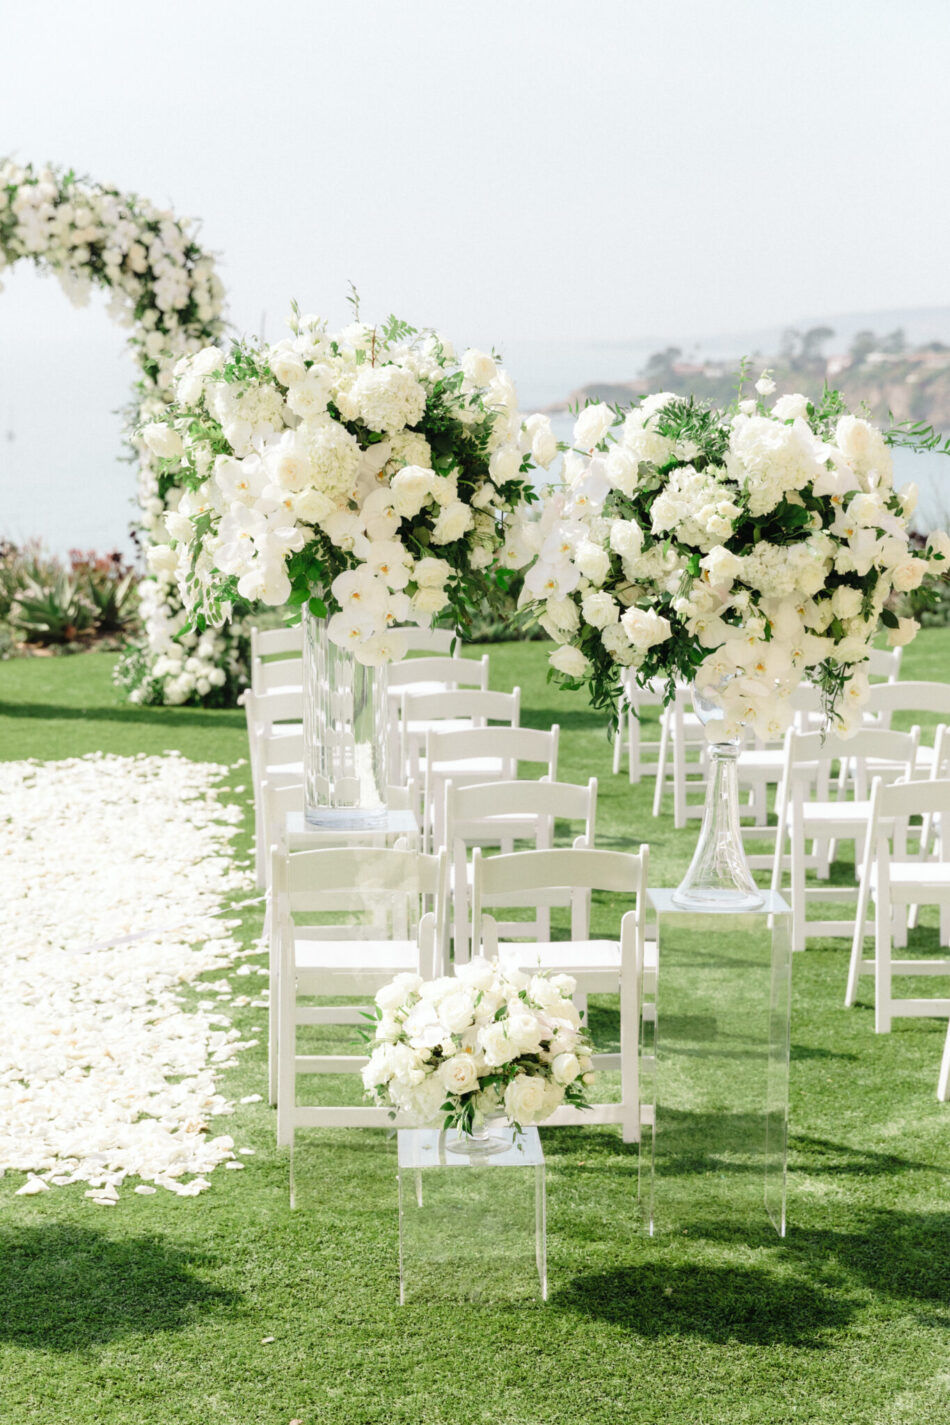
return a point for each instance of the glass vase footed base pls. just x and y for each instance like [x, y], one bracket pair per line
[719, 877]
[480, 1143]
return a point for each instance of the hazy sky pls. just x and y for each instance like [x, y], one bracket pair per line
[595, 169]
[527, 173]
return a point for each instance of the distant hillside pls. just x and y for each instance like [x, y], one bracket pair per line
[880, 372]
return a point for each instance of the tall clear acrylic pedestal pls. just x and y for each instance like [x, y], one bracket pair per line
[471, 1228]
[714, 1068]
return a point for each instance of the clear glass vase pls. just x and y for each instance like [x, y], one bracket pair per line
[719, 877]
[482, 1142]
[345, 734]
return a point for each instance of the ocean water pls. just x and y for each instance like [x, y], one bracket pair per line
[65, 377]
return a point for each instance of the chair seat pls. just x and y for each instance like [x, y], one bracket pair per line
[917, 874]
[570, 956]
[839, 813]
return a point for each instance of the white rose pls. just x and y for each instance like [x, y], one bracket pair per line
[569, 660]
[905, 632]
[939, 542]
[496, 1046]
[161, 558]
[453, 521]
[789, 408]
[429, 601]
[477, 972]
[563, 614]
[431, 573]
[456, 1011]
[908, 574]
[600, 609]
[645, 628]
[458, 1075]
[479, 367]
[592, 425]
[505, 464]
[626, 538]
[411, 489]
[163, 441]
[543, 440]
[565, 1068]
[722, 565]
[524, 1099]
[765, 385]
[592, 560]
[846, 602]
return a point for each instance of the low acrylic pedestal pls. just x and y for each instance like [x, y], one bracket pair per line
[471, 1228]
[715, 1054]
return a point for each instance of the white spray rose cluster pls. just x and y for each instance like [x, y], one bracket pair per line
[747, 549]
[488, 1040]
[366, 471]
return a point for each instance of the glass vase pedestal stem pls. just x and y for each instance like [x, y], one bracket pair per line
[719, 875]
[345, 734]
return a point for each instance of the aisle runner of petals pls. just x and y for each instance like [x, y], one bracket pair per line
[107, 1067]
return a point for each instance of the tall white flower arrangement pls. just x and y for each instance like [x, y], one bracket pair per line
[366, 473]
[162, 287]
[744, 550]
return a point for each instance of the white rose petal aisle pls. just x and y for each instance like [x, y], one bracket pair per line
[488, 1043]
[164, 288]
[106, 1071]
[742, 551]
[360, 477]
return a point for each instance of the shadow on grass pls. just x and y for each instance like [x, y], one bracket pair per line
[720, 1304]
[55, 712]
[68, 1288]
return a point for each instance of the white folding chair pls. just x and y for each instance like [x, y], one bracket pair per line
[270, 717]
[419, 676]
[433, 674]
[501, 814]
[428, 640]
[599, 966]
[943, 1078]
[629, 735]
[383, 892]
[445, 712]
[479, 754]
[683, 750]
[807, 812]
[280, 649]
[894, 883]
[279, 801]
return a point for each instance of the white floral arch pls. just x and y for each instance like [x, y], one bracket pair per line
[164, 288]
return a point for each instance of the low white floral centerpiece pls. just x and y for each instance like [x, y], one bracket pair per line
[364, 473]
[743, 550]
[489, 1041]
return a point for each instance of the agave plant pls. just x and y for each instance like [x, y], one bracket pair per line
[115, 601]
[57, 611]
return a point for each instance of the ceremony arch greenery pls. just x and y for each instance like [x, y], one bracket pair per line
[163, 288]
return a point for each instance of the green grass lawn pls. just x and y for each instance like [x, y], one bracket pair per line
[154, 1312]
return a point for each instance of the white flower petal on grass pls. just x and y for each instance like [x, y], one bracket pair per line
[106, 1067]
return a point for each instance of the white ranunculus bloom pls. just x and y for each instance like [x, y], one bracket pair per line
[905, 632]
[645, 628]
[565, 1068]
[452, 522]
